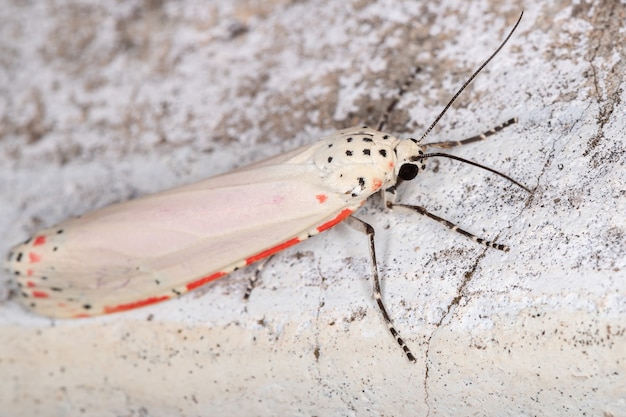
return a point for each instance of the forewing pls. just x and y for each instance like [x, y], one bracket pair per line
[153, 248]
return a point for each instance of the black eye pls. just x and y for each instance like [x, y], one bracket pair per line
[408, 172]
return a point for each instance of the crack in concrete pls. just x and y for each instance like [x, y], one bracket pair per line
[320, 305]
[604, 39]
[467, 278]
[460, 294]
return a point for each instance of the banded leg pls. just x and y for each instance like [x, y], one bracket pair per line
[361, 226]
[254, 278]
[392, 105]
[451, 226]
[452, 143]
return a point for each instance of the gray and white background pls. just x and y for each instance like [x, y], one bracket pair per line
[102, 101]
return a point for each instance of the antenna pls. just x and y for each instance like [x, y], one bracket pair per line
[471, 78]
[476, 164]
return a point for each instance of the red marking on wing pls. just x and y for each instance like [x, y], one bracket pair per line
[33, 257]
[135, 304]
[195, 284]
[338, 219]
[30, 284]
[272, 251]
[377, 184]
[39, 294]
[39, 240]
[321, 198]
[29, 273]
[202, 281]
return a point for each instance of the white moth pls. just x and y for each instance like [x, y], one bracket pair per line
[160, 246]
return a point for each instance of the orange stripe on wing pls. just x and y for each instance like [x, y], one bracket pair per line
[197, 283]
[338, 219]
[135, 304]
[272, 251]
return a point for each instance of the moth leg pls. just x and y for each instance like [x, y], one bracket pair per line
[361, 226]
[450, 225]
[480, 137]
[255, 277]
[389, 194]
[401, 90]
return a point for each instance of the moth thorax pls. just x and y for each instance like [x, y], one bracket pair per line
[356, 162]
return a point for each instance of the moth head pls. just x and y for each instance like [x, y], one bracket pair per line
[409, 154]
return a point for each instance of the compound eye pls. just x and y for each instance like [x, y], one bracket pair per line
[408, 172]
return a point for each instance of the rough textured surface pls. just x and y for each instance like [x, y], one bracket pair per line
[104, 101]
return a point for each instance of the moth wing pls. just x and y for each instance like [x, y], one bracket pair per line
[153, 248]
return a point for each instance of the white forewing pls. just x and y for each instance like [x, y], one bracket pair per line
[154, 245]
[150, 249]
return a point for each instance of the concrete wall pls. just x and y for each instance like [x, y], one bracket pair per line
[105, 101]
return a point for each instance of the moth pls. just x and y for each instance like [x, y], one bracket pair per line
[161, 246]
